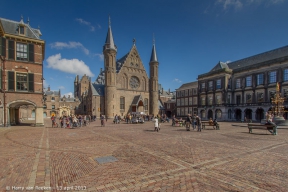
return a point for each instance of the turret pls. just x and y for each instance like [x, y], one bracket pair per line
[109, 52]
[153, 82]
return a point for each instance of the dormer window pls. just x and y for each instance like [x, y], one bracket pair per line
[21, 30]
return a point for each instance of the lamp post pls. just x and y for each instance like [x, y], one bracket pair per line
[4, 88]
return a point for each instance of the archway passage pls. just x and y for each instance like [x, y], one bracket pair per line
[248, 113]
[210, 114]
[238, 114]
[259, 114]
[24, 112]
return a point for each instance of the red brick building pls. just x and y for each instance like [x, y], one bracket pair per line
[22, 55]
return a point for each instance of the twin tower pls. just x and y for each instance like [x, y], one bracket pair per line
[111, 89]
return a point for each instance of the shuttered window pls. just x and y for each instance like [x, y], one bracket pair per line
[31, 82]
[11, 48]
[11, 81]
[3, 46]
[31, 52]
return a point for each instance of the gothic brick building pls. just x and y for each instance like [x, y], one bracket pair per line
[123, 86]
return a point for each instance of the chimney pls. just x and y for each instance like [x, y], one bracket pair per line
[100, 70]
[169, 91]
[48, 88]
[162, 90]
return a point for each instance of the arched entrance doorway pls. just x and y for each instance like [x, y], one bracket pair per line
[64, 111]
[210, 114]
[259, 114]
[137, 104]
[248, 113]
[218, 114]
[24, 112]
[285, 115]
[203, 114]
[238, 114]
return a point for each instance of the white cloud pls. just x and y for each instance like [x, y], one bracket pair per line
[72, 66]
[70, 45]
[100, 55]
[82, 21]
[61, 87]
[177, 80]
[45, 84]
[69, 94]
[237, 4]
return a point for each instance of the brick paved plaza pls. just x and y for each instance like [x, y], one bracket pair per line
[229, 159]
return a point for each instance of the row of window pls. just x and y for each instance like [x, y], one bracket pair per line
[248, 99]
[210, 85]
[183, 111]
[187, 101]
[187, 92]
[272, 78]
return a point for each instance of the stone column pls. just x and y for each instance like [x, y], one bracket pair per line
[39, 121]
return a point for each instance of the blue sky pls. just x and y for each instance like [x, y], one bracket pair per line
[191, 36]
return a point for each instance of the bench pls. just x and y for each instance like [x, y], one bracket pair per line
[207, 123]
[270, 128]
[179, 123]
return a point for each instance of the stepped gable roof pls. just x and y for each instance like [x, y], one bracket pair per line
[97, 89]
[100, 79]
[188, 85]
[220, 65]
[12, 27]
[136, 99]
[259, 58]
[160, 105]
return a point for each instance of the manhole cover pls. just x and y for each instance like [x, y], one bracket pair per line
[107, 159]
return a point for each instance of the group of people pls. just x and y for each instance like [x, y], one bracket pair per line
[194, 120]
[71, 121]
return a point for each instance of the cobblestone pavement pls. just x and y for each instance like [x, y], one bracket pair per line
[173, 159]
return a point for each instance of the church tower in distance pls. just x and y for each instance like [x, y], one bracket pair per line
[109, 52]
[153, 82]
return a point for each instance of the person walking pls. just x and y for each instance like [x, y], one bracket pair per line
[188, 122]
[198, 123]
[156, 124]
[102, 118]
[194, 121]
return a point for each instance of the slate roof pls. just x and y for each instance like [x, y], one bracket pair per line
[52, 92]
[188, 85]
[220, 65]
[120, 62]
[11, 27]
[97, 89]
[160, 105]
[100, 79]
[136, 99]
[254, 60]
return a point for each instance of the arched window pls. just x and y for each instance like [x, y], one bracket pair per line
[144, 84]
[53, 99]
[122, 103]
[44, 106]
[146, 104]
[218, 114]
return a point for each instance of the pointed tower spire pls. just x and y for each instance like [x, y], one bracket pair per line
[109, 43]
[153, 54]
